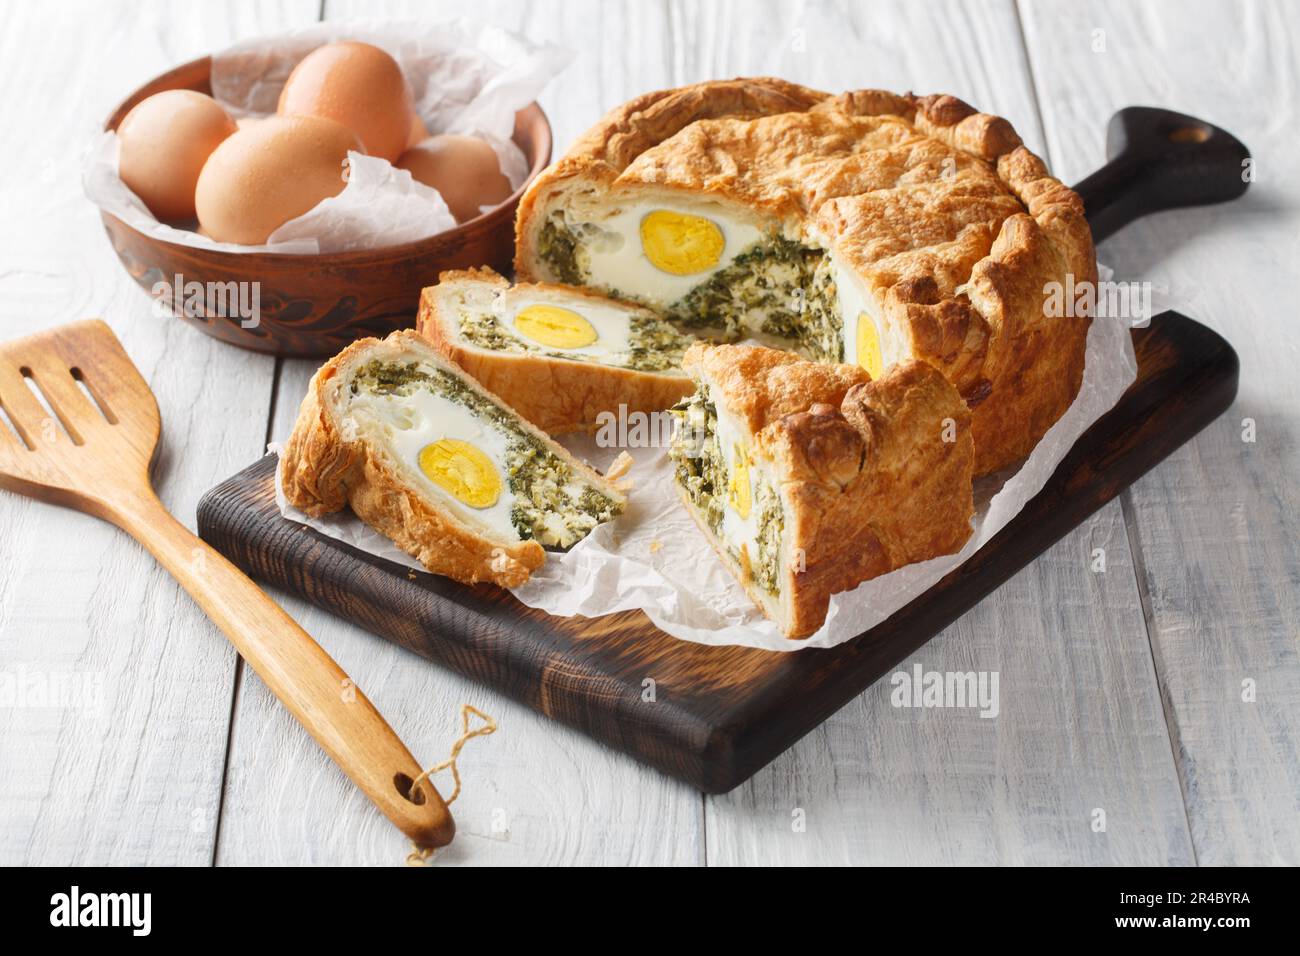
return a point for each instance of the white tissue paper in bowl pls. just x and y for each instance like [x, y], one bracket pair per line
[465, 79]
[654, 558]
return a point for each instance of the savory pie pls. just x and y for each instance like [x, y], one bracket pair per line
[425, 455]
[866, 227]
[810, 478]
[558, 355]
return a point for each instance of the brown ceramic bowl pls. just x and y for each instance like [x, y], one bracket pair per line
[315, 305]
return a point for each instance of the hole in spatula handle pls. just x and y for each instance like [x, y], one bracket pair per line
[403, 783]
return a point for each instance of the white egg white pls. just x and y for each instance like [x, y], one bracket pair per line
[617, 260]
[855, 303]
[412, 422]
[739, 533]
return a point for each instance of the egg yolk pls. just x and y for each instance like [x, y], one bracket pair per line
[555, 327]
[738, 490]
[680, 244]
[868, 347]
[462, 471]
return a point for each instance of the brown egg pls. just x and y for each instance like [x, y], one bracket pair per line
[164, 142]
[463, 168]
[355, 84]
[270, 172]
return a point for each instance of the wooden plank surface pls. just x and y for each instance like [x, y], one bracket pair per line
[131, 772]
[1216, 531]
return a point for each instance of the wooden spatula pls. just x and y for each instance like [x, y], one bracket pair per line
[93, 453]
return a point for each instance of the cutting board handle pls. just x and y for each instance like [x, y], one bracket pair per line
[1159, 159]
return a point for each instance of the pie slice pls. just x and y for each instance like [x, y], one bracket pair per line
[560, 356]
[810, 478]
[426, 456]
[868, 227]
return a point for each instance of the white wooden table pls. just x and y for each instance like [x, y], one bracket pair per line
[1120, 691]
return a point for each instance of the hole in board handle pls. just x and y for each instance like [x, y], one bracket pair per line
[1189, 134]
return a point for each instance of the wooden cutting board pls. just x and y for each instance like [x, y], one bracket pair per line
[716, 714]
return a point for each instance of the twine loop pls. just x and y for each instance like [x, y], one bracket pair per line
[419, 856]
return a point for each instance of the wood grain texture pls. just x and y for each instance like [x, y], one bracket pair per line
[1216, 528]
[131, 772]
[717, 714]
[91, 453]
[1079, 730]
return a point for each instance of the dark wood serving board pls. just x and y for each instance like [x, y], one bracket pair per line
[719, 713]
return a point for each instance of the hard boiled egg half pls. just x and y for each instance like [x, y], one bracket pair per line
[462, 458]
[868, 342]
[657, 253]
[572, 324]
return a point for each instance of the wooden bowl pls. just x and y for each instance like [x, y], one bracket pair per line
[315, 305]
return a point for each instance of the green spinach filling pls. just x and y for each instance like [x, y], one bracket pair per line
[701, 470]
[771, 526]
[821, 331]
[697, 457]
[558, 246]
[653, 344]
[757, 291]
[551, 504]
[778, 288]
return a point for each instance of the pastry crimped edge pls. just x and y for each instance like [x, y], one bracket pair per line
[987, 343]
[557, 395]
[868, 482]
[322, 471]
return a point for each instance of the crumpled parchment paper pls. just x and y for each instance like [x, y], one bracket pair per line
[655, 558]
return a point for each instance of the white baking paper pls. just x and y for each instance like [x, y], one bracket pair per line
[656, 559]
[465, 79]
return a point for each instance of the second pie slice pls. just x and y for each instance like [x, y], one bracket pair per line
[810, 478]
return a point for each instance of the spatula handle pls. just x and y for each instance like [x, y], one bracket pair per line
[299, 672]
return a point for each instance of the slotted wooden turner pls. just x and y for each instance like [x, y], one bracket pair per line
[93, 454]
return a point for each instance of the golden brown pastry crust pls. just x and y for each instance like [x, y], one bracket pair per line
[909, 500]
[322, 470]
[557, 395]
[874, 475]
[762, 385]
[953, 226]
